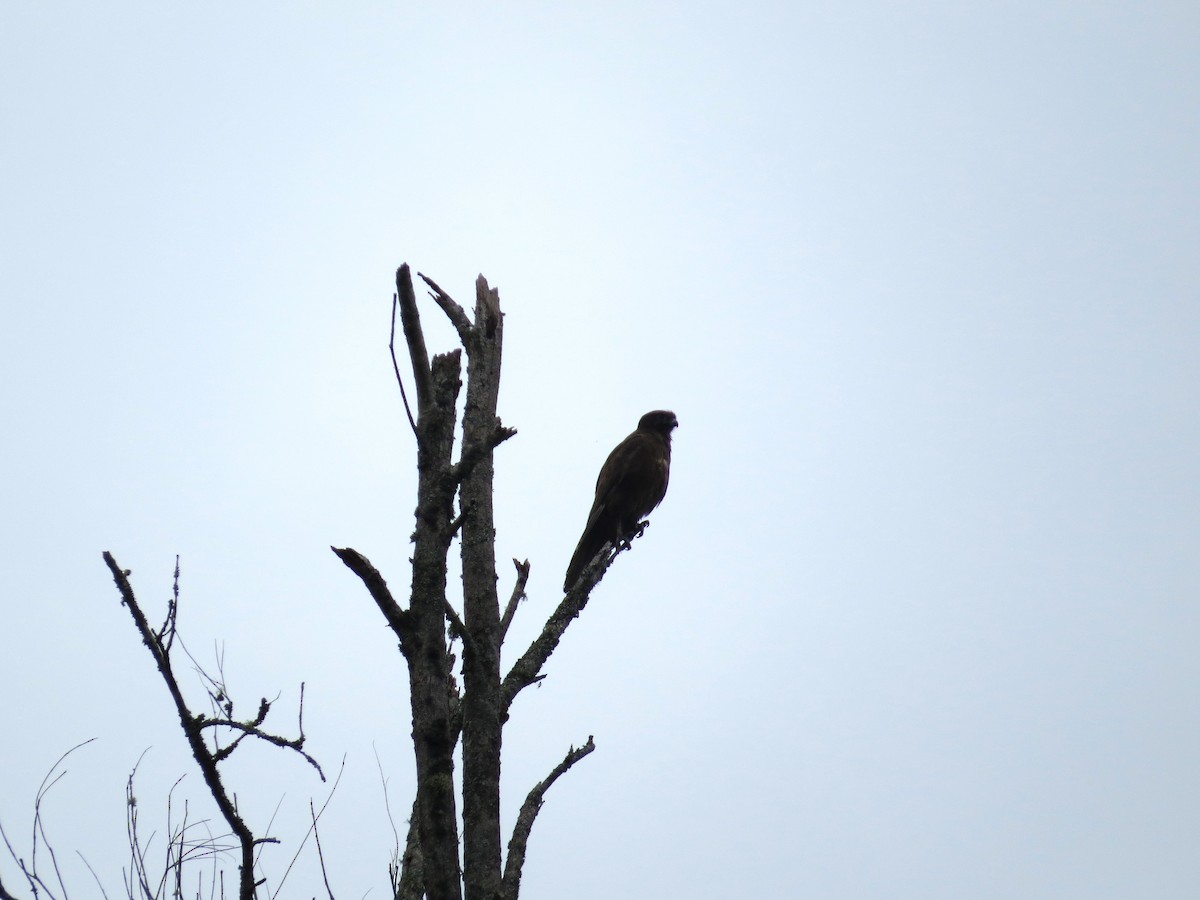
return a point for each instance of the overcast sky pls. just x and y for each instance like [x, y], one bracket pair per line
[920, 615]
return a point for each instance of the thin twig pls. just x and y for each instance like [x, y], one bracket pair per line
[396, 367]
[95, 877]
[137, 856]
[30, 876]
[312, 831]
[166, 634]
[394, 865]
[320, 852]
[38, 825]
[300, 716]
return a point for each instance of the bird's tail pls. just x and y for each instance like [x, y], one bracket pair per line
[590, 544]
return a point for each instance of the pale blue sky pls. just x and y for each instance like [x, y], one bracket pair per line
[920, 615]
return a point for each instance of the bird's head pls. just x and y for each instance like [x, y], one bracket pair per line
[659, 421]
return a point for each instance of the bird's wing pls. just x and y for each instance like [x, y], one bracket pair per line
[622, 465]
[633, 480]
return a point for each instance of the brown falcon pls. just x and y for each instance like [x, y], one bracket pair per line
[633, 480]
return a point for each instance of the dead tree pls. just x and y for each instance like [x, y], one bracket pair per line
[454, 499]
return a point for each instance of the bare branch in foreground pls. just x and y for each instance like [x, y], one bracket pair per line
[182, 848]
[529, 810]
[312, 830]
[193, 727]
[251, 729]
[30, 872]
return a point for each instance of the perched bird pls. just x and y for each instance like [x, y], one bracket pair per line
[633, 480]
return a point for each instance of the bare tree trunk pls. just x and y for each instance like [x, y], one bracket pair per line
[440, 714]
[424, 644]
[481, 606]
[430, 865]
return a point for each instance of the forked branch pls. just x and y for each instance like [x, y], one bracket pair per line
[527, 670]
[193, 725]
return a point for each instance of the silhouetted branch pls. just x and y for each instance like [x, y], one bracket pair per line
[397, 618]
[529, 810]
[455, 313]
[158, 643]
[320, 852]
[396, 365]
[95, 877]
[518, 594]
[204, 758]
[249, 729]
[312, 830]
[527, 669]
[410, 319]
[30, 872]
[181, 847]
[39, 828]
[166, 634]
[137, 875]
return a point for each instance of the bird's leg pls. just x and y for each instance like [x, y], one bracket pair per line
[626, 540]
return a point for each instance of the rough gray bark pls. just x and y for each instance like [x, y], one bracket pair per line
[481, 604]
[421, 628]
[430, 863]
[427, 653]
